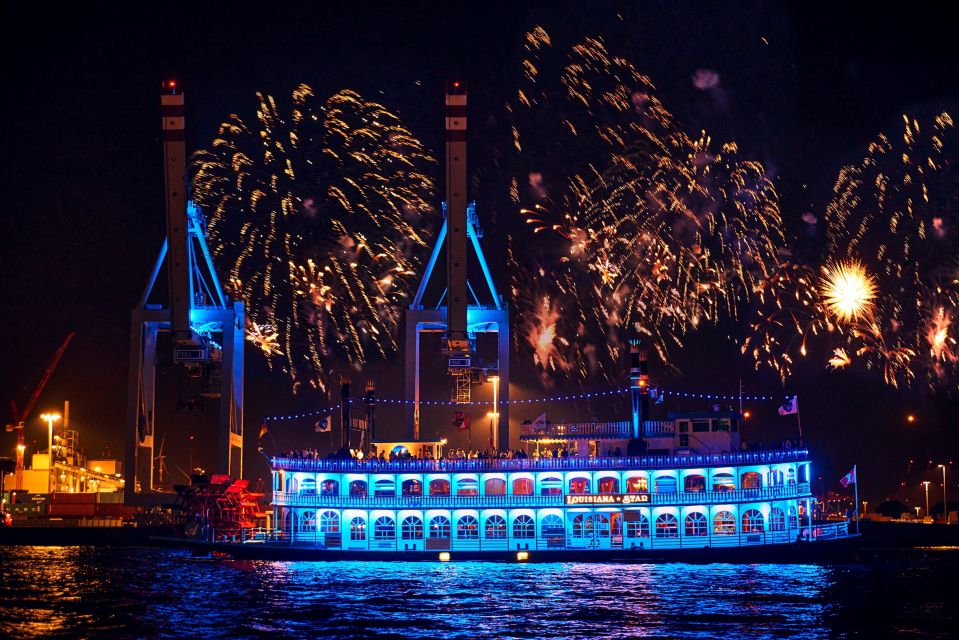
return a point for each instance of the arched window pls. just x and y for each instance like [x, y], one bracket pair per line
[552, 525]
[753, 522]
[411, 528]
[384, 488]
[357, 529]
[440, 527]
[694, 483]
[665, 484]
[495, 487]
[308, 486]
[790, 476]
[637, 526]
[616, 524]
[804, 473]
[523, 487]
[775, 477]
[601, 525]
[777, 520]
[752, 480]
[724, 523]
[412, 488]
[439, 487]
[467, 487]
[723, 482]
[330, 522]
[637, 484]
[667, 526]
[384, 528]
[695, 524]
[467, 528]
[308, 521]
[582, 526]
[578, 486]
[524, 527]
[608, 485]
[496, 527]
[551, 486]
[288, 521]
[329, 488]
[358, 488]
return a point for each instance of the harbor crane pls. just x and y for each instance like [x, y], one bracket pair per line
[197, 330]
[20, 415]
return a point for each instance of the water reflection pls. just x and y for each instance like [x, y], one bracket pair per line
[70, 591]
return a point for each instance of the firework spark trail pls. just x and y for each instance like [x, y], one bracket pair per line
[896, 215]
[656, 231]
[318, 215]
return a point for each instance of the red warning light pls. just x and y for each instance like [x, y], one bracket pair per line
[456, 84]
[171, 84]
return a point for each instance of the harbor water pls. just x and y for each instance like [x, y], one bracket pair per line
[61, 592]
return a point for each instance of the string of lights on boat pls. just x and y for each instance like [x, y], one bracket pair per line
[567, 397]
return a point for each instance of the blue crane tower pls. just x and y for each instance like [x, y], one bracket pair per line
[465, 313]
[198, 330]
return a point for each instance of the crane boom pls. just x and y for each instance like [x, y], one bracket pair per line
[19, 417]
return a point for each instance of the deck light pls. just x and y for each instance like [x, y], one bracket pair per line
[522, 556]
[444, 556]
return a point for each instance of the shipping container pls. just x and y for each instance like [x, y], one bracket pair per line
[115, 497]
[29, 508]
[71, 510]
[74, 498]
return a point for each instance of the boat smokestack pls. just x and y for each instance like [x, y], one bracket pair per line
[371, 410]
[639, 387]
[345, 406]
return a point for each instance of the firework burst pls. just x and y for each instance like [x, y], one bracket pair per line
[655, 231]
[317, 214]
[889, 291]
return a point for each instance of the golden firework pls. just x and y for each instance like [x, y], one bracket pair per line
[848, 291]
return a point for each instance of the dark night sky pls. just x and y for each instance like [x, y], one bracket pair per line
[81, 187]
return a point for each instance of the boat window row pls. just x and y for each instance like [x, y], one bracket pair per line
[549, 485]
[635, 524]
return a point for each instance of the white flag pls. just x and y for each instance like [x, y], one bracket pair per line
[540, 420]
[791, 406]
[324, 426]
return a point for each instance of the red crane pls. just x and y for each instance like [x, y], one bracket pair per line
[19, 417]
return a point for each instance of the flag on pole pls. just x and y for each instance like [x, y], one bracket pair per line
[849, 478]
[790, 407]
[324, 426]
[540, 422]
[263, 431]
[465, 424]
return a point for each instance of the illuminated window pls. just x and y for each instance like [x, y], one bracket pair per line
[552, 525]
[308, 487]
[724, 523]
[467, 487]
[775, 477]
[804, 473]
[601, 525]
[665, 484]
[695, 524]
[329, 488]
[412, 488]
[609, 485]
[384, 528]
[308, 521]
[496, 527]
[523, 487]
[524, 527]
[495, 487]
[358, 488]
[694, 482]
[411, 528]
[357, 529]
[752, 480]
[637, 484]
[667, 526]
[440, 527]
[439, 487]
[551, 486]
[583, 526]
[723, 482]
[777, 520]
[330, 522]
[636, 526]
[578, 486]
[467, 528]
[753, 522]
[791, 476]
[384, 488]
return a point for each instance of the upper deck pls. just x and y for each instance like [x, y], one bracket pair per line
[690, 461]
